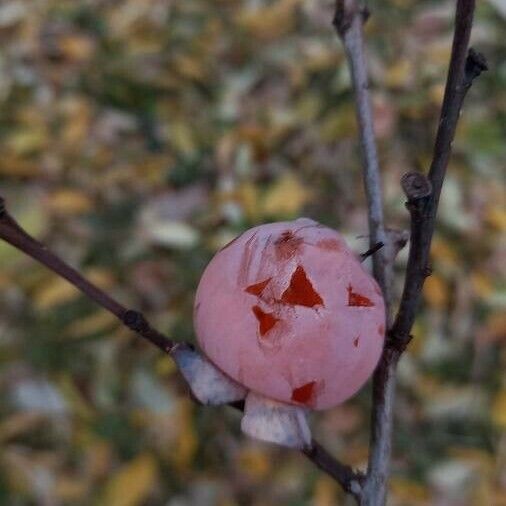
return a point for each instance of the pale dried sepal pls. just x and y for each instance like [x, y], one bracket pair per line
[275, 422]
[207, 383]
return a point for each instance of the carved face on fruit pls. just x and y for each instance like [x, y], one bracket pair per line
[288, 311]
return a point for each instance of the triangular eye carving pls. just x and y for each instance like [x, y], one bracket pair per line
[265, 320]
[305, 393]
[357, 300]
[300, 292]
[257, 288]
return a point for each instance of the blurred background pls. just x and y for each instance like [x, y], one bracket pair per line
[139, 136]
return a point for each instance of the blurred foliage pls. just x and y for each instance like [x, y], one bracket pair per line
[137, 137]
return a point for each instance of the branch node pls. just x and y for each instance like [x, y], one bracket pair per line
[365, 13]
[397, 345]
[352, 481]
[476, 63]
[344, 15]
[416, 186]
[135, 320]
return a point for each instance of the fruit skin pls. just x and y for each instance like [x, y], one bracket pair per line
[288, 311]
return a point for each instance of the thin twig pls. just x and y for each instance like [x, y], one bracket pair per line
[15, 235]
[348, 21]
[11, 232]
[423, 197]
[465, 66]
[371, 251]
[350, 480]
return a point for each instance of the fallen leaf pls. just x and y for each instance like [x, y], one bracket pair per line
[58, 291]
[69, 202]
[498, 413]
[286, 197]
[132, 483]
[435, 292]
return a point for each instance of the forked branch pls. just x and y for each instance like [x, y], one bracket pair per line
[423, 198]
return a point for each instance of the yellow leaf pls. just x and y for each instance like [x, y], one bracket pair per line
[499, 410]
[190, 67]
[132, 483]
[248, 196]
[497, 497]
[70, 489]
[181, 137]
[320, 57]
[443, 252]
[70, 202]
[480, 458]
[408, 491]
[75, 398]
[270, 21]
[482, 285]
[416, 345]
[437, 52]
[254, 461]
[98, 456]
[152, 169]
[19, 424]
[308, 107]
[286, 197]
[494, 329]
[187, 442]
[325, 493]
[53, 293]
[58, 291]
[165, 366]
[12, 165]
[400, 74]
[496, 218]
[76, 47]
[100, 321]
[78, 117]
[436, 93]
[27, 140]
[435, 292]
[427, 386]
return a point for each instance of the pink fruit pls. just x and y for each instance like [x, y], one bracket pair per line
[288, 311]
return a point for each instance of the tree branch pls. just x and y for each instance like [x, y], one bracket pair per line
[15, 235]
[423, 198]
[465, 66]
[348, 21]
[11, 232]
[350, 480]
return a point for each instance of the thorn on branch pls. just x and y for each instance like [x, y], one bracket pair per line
[371, 251]
[476, 63]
